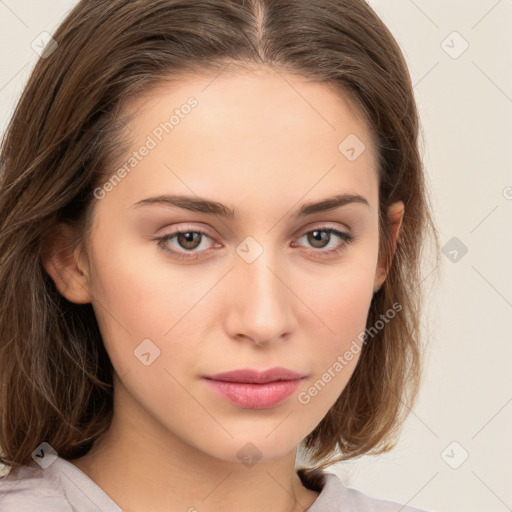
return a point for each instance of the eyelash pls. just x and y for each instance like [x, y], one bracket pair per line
[345, 237]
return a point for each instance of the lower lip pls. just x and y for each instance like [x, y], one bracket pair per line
[254, 396]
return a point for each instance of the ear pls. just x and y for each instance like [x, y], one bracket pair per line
[64, 263]
[395, 216]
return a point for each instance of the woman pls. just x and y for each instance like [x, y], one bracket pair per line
[212, 214]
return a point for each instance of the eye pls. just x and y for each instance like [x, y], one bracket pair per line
[188, 240]
[318, 237]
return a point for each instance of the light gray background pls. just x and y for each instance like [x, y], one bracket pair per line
[465, 102]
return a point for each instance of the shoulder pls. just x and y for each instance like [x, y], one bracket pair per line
[60, 487]
[29, 488]
[362, 501]
[335, 496]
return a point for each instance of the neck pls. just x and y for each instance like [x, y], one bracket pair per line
[146, 467]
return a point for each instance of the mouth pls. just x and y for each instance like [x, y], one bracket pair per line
[254, 389]
[254, 376]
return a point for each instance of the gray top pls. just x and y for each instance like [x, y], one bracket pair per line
[62, 487]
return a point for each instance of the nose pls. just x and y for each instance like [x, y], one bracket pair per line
[260, 308]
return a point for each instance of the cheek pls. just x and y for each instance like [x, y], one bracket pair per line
[156, 314]
[341, 303]
[137, 298]
[341, 296]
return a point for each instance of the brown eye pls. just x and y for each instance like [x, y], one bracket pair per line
[189, 240]
[184, 243]
[318, 237]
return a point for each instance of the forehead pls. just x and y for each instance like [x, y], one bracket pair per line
[259, 133]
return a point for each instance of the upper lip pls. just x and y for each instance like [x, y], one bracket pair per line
[254, 376]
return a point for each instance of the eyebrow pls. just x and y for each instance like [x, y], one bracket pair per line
[197, 204]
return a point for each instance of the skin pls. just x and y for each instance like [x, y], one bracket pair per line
[262, 143]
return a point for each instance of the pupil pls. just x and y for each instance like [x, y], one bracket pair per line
[187, 239]
[319, 236]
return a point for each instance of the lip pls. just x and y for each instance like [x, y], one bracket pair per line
[255, 389]
[254, 376]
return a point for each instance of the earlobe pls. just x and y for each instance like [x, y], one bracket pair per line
[62, 262]
[395, 216]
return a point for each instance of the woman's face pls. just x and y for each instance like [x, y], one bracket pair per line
[264, 287]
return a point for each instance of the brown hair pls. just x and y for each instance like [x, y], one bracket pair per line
[67, 133]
